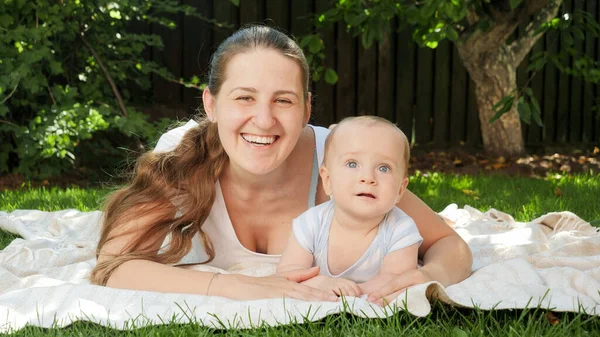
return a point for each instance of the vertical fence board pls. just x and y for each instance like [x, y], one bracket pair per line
[458, 99]
[441, 100]
[534, 134]
[562, 114]
[324, 110]
[278, 11]
[301, 17]
[588, 93]
[227, 13]
[576, 96]
[385, 96]
[346, 64]
[166, 92]
[427, 93]
[251, 12]
[424, 109]
[405, 88]
[549, 105]
[197, 48]
[367, 80]
[473, 123]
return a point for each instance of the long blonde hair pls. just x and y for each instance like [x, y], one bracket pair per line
[182, 181]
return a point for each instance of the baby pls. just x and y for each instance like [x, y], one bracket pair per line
[359, 236]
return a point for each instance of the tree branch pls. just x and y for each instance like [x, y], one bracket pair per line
[110, 80]
[522, 46]
[11, 93]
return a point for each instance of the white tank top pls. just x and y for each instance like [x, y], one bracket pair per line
[230, 254]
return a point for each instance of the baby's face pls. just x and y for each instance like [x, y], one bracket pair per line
[364, 170]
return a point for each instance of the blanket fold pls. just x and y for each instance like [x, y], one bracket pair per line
[552, 262]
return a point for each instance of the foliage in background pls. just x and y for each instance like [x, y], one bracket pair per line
[66, 70]
[484, 29]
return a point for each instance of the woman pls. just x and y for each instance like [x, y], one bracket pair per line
[226, 191]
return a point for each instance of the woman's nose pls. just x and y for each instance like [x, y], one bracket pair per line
[263, 117]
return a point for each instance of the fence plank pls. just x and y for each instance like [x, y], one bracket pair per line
[367, 80]
[385, 97]
[166, 92]
[324, 109]
[564, 92]
[473, 123]
[576, 96]
[197, 45]
[424, 109]
[346, 64]
[441, 101]
[278, 14]
[549, 106]
[405, 88]
[458, 99]
[251, 12]
[228, 13]
[301, 17]
[534, 132]
[588, 93]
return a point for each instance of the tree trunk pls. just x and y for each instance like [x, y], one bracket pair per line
[494, 74]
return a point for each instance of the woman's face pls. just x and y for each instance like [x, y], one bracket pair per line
[260, 110]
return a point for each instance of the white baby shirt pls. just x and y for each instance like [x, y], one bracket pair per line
[396, 231]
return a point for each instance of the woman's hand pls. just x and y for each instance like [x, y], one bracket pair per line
[396, 284]
[336, 285]
[285, 285]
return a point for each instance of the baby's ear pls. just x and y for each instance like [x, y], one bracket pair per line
[402, 189]
[325, 179]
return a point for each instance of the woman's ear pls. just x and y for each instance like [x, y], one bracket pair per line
[308, 109]
[325, 179]
[208, 101]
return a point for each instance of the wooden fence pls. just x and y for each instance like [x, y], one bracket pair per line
[428, 93]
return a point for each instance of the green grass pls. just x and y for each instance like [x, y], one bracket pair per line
[524, 198]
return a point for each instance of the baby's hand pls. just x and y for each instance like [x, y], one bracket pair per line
[337, 285]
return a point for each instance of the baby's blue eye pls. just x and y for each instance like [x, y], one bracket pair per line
[383, 169]
[351, 164]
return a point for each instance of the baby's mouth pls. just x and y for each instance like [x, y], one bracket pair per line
[367, 195]
[259, 140]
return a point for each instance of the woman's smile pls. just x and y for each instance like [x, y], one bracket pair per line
[259, 140]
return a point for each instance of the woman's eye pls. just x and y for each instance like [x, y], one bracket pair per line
[352, 164]
[283, 101]
[244, 98]
[384, 169]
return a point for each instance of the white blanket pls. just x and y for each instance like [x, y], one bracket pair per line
[551, 262]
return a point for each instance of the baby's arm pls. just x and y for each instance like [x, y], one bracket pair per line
[395, 263]
[294, 257]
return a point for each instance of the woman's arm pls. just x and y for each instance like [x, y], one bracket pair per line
[446, 256]
[152, 276]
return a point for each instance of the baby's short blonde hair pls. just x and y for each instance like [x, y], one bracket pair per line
[368, 120]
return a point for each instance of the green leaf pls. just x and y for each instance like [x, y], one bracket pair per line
[567, 38]
[536, 111]
[235, 2]
[524, 110]
[451, 33]
[506, 102]
[515, 3]
[537, 64]
[315, 44]
[331, 76]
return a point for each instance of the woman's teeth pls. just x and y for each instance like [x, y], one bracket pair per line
[259, 140]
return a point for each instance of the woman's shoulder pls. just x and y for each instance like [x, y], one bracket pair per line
[170, 139]
[320, 136]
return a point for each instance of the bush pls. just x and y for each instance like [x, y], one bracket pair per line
[65, 70]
